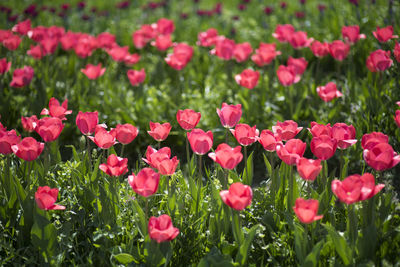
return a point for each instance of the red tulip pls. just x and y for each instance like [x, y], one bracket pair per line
[384, 34]
[229, 115]
[7, 140]
[57, 110]
[93, 71]
[227, 156]
[299, 64]
[200, 141]
[381, 157]
[306, 210]
[167, 166]
[300, 40]
[105, 40]
[165, 26]
[328, 92]
[118, 53]
[308, 169]
[87, 122]
[23, 27]
[161, 229]
[248, 78]
[102, 138]
[268, 140]
[136, 77]
[49, 128]
[29, 123]
[188, 118]
[12, 42]
[352, 34]
[265, 54]
[115, 166]
[22, 77]
[245, 134]
[184, 49]
[162, 42]
[207, 38]
[356, 188]
[46, 197]
[5, 34]
[142, 36]
[397, 118]
[131, 59]
[224, 48]
[320, 129]
[283, 32]
[125, 133]
[339, 50]
[319, 49]
[368, 141]
[286, 130]
[145, 183]
[344, 134]
[241, 52]
[396, 52]
[154, 157]
[28, 149]
[238, 196]
[69, 40]
[379, 60]
[287, 75]
[49, 45]
[4, 65]
[180, 57]
[291, 151]
[323, 147]
[159, 131]
[36, 52]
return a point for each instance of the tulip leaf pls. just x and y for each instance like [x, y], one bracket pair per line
[244, 249]
[142, 221]
[74, 153]
[300, 243]
[248, 177]
[341, 246]
[124, 258]
[96, 169]
[312, 258]
[43, 233]
[268, 165]
[215, 258]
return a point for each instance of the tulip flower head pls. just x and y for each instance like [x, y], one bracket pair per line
[241, 52]
[323, 147]
[306, 210]
[328, 92]
[283, 32]
[245, 134]
[369, 140]
[384, 34]
[93, 71]
[339, 50]
[227, 156]
[352, 34]
[126, 133]
[287, 75]
[379, 60]
[87, 122]
[136, 77]
[200, 141]
[115, 166]
[238, 196]
[229, 114]
[7, 140]
[102, 138]
[356, 188]
[159, 131]
[57, 110]
[248, 78]
[286, 130]
[319, 49]
[308, 169]
[320, 129]
[49, 128]
[28, 149]
[4, 65]
[161, 229]
[45, 198]
[381, 157]
[188, 118]
[154, 157]
[268, 140]
[29, 123]
[22, 77]
[344, 134]
[145, 183]
[291, 151]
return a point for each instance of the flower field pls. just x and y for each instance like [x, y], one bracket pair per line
[200, 133]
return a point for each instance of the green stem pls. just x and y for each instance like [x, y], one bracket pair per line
[88, 152]
[146, 203]
[226, 135]
[352, 226]
[226, 179]
[246, 180]
[122, 151]
[290, 201]
[159, 145]
[236, 227]
[199, 185]
[188, 154]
